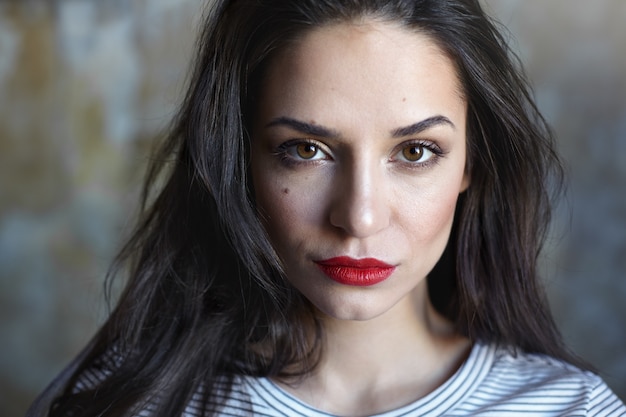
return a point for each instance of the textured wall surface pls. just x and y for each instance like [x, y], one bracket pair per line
[575, 55]
[86, 86]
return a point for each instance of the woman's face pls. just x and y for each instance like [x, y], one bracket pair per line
[358, 158]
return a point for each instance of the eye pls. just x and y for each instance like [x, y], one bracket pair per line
[303, 151]
[415, 152]
[307, 151]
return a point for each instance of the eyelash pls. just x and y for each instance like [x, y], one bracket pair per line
[283, 153]
[429, 146]
[290, 161]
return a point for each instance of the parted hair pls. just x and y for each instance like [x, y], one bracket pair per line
[206, 298]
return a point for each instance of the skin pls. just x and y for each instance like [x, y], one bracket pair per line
[359, 149]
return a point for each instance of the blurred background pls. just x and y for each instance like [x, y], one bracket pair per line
[87, 86]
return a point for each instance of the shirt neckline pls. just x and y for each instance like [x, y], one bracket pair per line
[444, 398]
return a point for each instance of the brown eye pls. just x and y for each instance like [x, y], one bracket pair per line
[413, 153]
[306, 150]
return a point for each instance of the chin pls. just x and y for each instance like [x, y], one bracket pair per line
[354, 307]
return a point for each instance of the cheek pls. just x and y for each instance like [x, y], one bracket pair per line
[429, 216]
[285, 209]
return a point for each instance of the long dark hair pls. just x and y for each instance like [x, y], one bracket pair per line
[206, 291]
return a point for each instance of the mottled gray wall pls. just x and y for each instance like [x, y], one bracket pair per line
[575, 55]
[85, 87]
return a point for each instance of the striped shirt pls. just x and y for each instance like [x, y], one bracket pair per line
[492, 382]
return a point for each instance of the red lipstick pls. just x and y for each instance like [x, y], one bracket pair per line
[357, 272]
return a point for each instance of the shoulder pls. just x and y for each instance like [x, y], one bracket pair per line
[520, 382]
[241, 396]
[98, 370]
[516, 365]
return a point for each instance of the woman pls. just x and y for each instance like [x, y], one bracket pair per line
[350, 227]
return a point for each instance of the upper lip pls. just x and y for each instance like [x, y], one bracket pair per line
[348, 262]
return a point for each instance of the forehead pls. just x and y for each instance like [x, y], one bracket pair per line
[391, 42]
[370, 67]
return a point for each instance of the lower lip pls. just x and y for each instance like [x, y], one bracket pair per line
[358, 276]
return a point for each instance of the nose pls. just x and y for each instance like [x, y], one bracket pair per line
[361, 204]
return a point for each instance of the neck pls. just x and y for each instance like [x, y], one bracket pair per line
[383, 363]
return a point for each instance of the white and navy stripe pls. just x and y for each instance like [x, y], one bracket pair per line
[491, 382]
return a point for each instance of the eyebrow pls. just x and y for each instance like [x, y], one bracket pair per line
[307, 128]
[422, 125]
[324, 132]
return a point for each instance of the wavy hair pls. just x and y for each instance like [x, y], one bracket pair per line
[205, 286]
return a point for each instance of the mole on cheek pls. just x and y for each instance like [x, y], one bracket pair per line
[285, 190]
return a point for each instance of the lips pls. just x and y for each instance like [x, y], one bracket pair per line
[356, 272]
